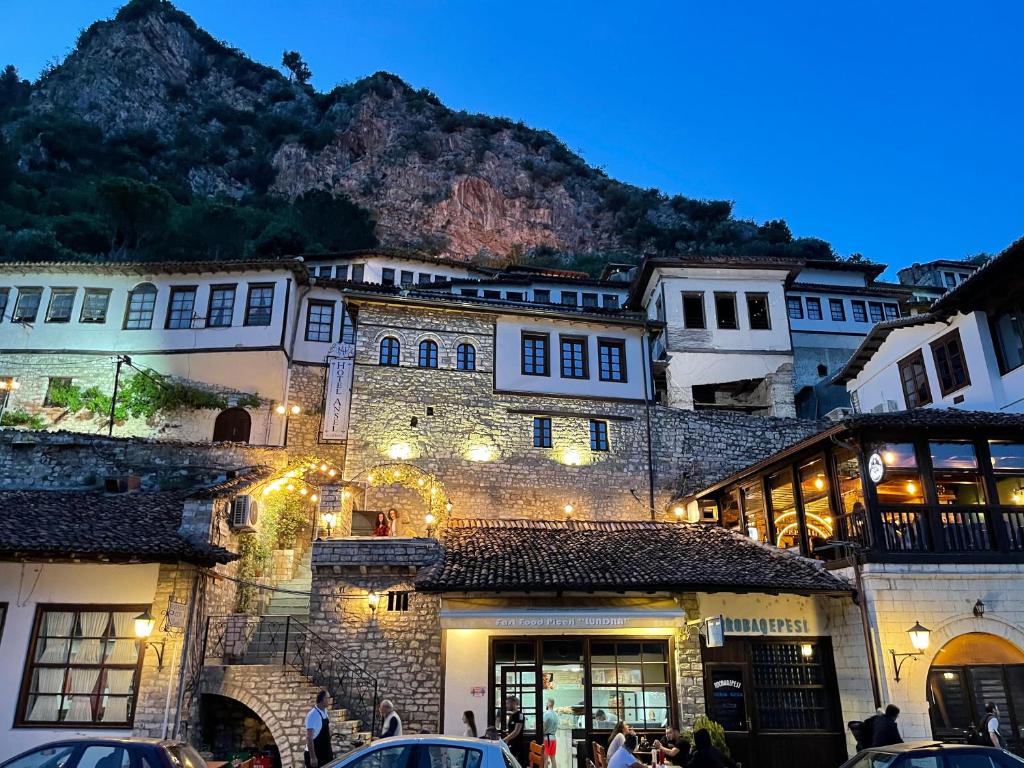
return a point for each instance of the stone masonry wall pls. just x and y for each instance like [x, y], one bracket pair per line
[689, 666]
[72, 460]
[402, 648]
[442, 419]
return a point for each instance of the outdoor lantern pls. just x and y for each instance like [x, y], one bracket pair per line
[373, 599]
[144, 624]
[919, 636]
[280, 409]
[979, 609]
[296, 410]
[678, 511]
[567, 509]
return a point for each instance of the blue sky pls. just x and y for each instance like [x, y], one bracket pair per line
[894, 129]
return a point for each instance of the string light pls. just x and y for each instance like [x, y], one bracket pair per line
[911, 487]
[819, 483]
[280, 409]
[314, 497]
[296, 410]
[303, 491]
[323, 467]
[567, 509]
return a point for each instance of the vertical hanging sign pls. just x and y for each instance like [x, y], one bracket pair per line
[338, 395]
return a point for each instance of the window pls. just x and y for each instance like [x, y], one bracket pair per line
[179, 308]
[83, 667]
[428, 354]
[855, 401]
[27, 306]
[790, 690]
[104, 756]
[387, 276]
[875, 311]
[598, 435]
[609, 301]
[541, 297]
[468, 292]
[535, 354]
[387, 757]
[389, 349]
[611, 359]
[425, 279]
[515, 296]
[753, 511]
[835, 306]
[574, 357]
[892, 311]
[46, 757]
[757, 310]
[320, 321]
[1007, 328]
[94, 306]
[956, 476]
[357, 272]
[1008, 466]
[725, 311]
[4, 295]
[795, 307]
[589, 299]
[465, 357]
[949, 278]
[324, 271]
[407, 277]
[814, 491]
[901, 484]
[492, 294]
[568, 298]
[222, 306]
[950, 364]
[784, 514]
[61, 302]
[141, 303]
[860, 312]
[813, 308]
[398, 601]
[341, 272]
[631, 678]
[541, 432]
[54, 383]
[914, 378]
[260, 305]
[693, 310]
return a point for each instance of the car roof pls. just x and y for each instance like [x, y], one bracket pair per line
[909, 746]
[435, 738]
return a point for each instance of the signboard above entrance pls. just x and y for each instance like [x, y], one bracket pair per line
[782, 615]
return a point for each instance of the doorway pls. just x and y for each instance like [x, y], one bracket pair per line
[232, 426]
[969, 672]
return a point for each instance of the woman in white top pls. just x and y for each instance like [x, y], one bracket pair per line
[617, 738]
[469, 720]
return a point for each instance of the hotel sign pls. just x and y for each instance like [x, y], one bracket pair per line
[338, 395]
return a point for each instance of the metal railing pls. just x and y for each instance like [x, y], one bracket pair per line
[244, 639]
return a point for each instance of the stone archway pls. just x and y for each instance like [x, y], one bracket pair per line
[431, 501]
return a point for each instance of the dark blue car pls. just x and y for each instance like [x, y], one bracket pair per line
[108, 753]
[934, 754]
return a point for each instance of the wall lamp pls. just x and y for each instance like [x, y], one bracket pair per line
[979, 609]
[373, 600]
[144, 625]
[919, 637]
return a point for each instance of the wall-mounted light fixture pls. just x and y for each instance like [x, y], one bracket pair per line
[429, 519]
[979, 609]
[144, 626]
[806, 650]
[678, 510]
[919, 638]
[373, 600]
[568, 510]
[329, 520]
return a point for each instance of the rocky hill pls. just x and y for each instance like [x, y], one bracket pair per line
[154, 140]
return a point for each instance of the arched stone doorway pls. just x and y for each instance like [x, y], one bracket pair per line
[233, 425]
[228, 727]
[970, 671]
[418, 498]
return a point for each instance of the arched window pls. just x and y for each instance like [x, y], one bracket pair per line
[232, 426]
[465, 357]
[389, 348]
[141, 303]
[428, 354]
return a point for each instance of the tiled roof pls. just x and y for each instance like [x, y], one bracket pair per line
[160, 267]
[89, 525]
[988, 282]
[874, 340]
[240, 480]
[885, 290]
[935, 417]
[531, 555]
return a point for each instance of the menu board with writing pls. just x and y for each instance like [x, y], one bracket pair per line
[728, 705]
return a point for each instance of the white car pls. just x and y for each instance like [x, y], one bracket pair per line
[429, 751]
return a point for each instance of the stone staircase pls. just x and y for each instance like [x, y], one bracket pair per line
[288, 604]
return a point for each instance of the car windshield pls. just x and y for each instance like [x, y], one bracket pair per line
[185, 756]
[874, 760]
[347, 755]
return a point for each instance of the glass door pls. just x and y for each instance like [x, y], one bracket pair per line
[521, 683]
[727, 686]
[562, 676]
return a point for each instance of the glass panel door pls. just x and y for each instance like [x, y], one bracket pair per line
[562, 679]
[521, 683]
[948, 704]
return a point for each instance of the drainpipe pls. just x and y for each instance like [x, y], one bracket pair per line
[646, 352]
[862, 602]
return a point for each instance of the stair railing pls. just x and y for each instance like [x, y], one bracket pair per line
[244, 639]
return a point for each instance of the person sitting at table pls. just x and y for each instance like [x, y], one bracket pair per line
[617, 737]
[623, 757]
[675, 747]
[705, 755]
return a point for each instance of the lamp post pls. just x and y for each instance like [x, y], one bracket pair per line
[919, 638]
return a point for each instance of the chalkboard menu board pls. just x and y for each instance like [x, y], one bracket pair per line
[728, 707]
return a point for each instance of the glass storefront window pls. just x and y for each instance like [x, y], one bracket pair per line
[1010, 489]
[730, 511]
[902, 483]
[953, 456]
[814, 494]
[899, 455]
[784, 514]
[853, 525]
[1006, 455]
[955, 483]
[790, 687]
[753, 511]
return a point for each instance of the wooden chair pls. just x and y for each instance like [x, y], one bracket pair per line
[536, 759]
[600, 755]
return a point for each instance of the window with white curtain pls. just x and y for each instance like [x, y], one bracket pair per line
[83, 666]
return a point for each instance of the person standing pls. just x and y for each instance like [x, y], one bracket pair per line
[550, 733]
[705, 755]
[392, 522]
[623, 757]
[380, 528]
[515, 724]
[991, 726]
[319, 751]
[885, 731]
[469, 720]
[391, 723]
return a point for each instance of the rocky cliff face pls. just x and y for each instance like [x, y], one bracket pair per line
[207, 117]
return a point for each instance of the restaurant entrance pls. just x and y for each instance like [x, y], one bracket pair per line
[593, 681]
[777, 700]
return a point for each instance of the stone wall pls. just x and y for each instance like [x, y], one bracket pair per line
[689, 666]
[72, 460]
[479, 443]
[401, 648]
[306, 389]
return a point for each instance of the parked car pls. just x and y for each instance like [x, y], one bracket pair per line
[933, 754]
[428, 751]
[108, 753]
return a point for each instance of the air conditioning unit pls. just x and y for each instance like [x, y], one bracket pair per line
[838, 414]
[244, 513]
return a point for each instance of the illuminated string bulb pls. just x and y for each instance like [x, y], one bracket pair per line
[429, 519]
[290, 486]
[819, 483]
[331, 472]
[911, 487]
[567, 509]
[314, 497]
[421, 482]
[346, 493]
[280, 409]
[266, 490]
[296, 410]
[323, 467]
[371, 477]
[303, 491]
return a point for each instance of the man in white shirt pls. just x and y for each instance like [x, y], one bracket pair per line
[992, 725]
[319, 751]
[623, 757]
[391, 723]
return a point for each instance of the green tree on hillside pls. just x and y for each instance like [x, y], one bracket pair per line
[137, 210]
[300, 72]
